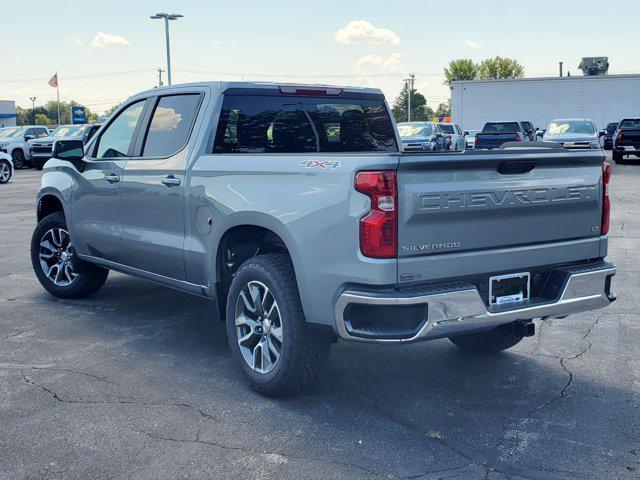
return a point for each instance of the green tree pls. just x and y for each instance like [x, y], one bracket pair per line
[420, 111]
[111, 109]
[444, 109]
[462, 69]
[22, 116]
[42, 119]
[499, 67]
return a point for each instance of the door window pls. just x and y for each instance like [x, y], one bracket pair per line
[116, 139]
[170, 125]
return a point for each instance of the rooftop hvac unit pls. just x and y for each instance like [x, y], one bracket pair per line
[594, 66]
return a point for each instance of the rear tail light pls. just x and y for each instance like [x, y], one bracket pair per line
[311, 91]
[606, 204]
[619, 137]
[518, 137]
[379, 227]
[475, 141]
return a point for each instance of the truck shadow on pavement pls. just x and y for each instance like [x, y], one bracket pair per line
[424, 410]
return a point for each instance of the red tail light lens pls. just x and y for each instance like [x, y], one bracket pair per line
[518, 137]
[379, 227]
[606, 203]
[475, 141]
[619, 137]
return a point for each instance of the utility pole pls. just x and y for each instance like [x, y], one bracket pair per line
[160, 77]
[167, 17]
[33, 109]
[560, 68]
[410, 82]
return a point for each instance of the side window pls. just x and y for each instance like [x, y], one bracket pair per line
[91, 133]
[41, 132]
[115, 140]
[29, 131]
[170, 125]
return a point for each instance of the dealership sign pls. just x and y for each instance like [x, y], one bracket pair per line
[78, 115]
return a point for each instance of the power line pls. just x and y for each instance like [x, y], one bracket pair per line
[83, 76]
[298, 75]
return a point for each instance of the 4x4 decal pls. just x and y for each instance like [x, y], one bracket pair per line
[317, 164]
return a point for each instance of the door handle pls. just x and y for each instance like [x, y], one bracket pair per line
[112, 178]
[171, 181]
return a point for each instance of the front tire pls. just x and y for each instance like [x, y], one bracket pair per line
[18, 159]
[56, 264]
[491, 341]
[5, 171]
[279, 353]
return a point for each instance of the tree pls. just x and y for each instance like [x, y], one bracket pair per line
[462, 69]
[499, 67]
[22, 116]
[111, 109]
[444, 109]
[420, 111]
[42, 119]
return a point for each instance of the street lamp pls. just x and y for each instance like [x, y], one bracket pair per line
[33, 108]
[167, 17]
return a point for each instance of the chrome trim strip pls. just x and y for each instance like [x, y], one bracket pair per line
[462, 311]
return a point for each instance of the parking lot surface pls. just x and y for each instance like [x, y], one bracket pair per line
[137, 382]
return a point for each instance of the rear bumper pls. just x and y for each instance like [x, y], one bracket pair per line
[457, 308]
[627, 148]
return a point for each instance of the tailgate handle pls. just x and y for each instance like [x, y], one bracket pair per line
[514, 168]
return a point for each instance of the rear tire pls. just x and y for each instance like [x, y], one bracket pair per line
[617, 156]
[491, 341]
[295, 350]
[5, 171]
[56, 264]
[18, 159]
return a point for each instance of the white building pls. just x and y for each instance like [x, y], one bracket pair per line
[603, 99]
[7, 113]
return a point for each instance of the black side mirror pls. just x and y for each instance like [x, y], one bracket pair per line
[601, 133]
[29, 137]
[438, 135]
[465, 133]
[68, 150]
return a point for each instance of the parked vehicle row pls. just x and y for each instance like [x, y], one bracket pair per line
[494, 134]
[431, 136]
[14, 142]
[40, 149]
[626, 139]
[296, 210]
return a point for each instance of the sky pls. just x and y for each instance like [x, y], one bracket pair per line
[107, 51]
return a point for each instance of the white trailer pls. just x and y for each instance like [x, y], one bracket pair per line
[603, 99]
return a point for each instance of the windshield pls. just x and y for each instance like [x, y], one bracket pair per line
[409, 130]
[501, 127]
[630, 123]
[612, 127]
[13, 132]
[446, 128]
[561, 127]
[69, 131]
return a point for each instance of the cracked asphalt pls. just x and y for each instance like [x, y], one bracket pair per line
[137, 382]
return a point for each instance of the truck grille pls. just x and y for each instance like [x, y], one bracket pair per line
[41, 149]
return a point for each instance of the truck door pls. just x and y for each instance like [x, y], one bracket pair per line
[153, 187]
[95, 209]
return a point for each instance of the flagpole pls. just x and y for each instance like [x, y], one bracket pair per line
[58, 96]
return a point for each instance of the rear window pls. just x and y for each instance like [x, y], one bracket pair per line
[612, 127]
[630, 123]
[290, 124]
[501, 127]
[447, 128]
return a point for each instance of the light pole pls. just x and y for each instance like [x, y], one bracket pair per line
[167, 17]
[33, 108]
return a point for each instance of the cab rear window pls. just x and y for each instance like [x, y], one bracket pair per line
[298, 124]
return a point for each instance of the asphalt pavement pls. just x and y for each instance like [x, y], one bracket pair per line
[137, 382]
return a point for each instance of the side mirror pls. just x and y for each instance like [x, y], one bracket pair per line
[465, 133]
[601, 133]
[68, 150]
[438, 135]
[29, 137]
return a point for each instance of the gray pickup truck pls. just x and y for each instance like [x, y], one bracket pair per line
[295, 210]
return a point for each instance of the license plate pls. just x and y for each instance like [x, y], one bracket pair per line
[509, 289]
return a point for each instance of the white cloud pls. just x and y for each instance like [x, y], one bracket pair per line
[77, 41]
[473, 44]
[380, 64]
[361, 31]
[216, 42]
[101, 40]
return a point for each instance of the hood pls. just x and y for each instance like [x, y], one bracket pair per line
[11, 140]
[571, 137]
[50, 140]
[416, 139]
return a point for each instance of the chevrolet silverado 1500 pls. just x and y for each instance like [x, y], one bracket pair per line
[295, 210]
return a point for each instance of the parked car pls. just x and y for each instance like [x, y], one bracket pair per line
[13, 141]
[494, 134]
[627, 139]
[421, 136]
[573, 133]
[529, 130]
[6, 168]
[471, 138]
[607, 139]
[458, 142]
[294, 208]
[40, 148]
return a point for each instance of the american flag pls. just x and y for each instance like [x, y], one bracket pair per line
[54, 81]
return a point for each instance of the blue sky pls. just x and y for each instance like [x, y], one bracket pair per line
[105, 51]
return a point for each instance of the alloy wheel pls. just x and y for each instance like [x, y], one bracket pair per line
[259, 327]
[5, 172]
[56, 254]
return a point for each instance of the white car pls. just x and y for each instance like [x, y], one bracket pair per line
[13, 141]
[6, 168]
[470, 135]
[458, 140]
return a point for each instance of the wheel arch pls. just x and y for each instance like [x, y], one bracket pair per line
[49, 202]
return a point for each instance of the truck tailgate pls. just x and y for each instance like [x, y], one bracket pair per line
[491, 204]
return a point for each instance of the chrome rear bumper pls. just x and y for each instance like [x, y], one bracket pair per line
[458, 308]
